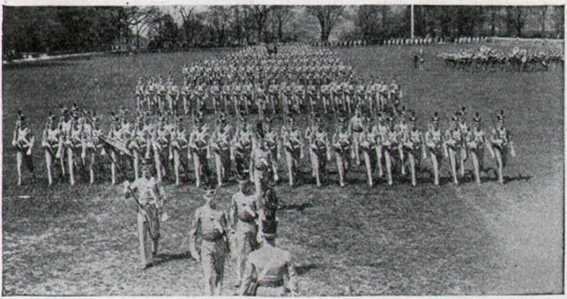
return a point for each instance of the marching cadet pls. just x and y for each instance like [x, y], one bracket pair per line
[199, 145]
[149, 197]
[402, 131]
[272, 139]
[379, 131]
[501, 143]
[114, 134]
[325, 97]
[50, 142]
[390, 143]
[161, 149]
[367, 141]
[260, 100]
[319, 149]
[341, 145]
[73, 144]
[356, 129]
[412, 143]
[215, 93]
[65, 129]
[261, 161]
[179, 144]
[293, 145]
[242, 221]
[273, 93]
[221, 148]
[225, 94]
[210, 223]
[23, 140]
[454, 142]
[269, 271]
[435, 146]
[242, 149]
[137, 146]
[464, 127]
[92, 145]
[476, 141]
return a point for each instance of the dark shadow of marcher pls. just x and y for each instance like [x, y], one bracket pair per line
[302, 269]
[167, 257]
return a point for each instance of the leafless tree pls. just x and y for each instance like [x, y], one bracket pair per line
[328, 16]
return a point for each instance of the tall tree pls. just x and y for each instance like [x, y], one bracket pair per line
[260, 14]
[328, 16]
[139, 18]
[281, 16]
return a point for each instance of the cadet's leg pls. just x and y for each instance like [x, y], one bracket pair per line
[92, 157]
[145, 242]
[356, 137]
[157, 162]
[19, 162]
[113, 162]
[435, 165]
[317, 172]
[402, 160]
[136, 160]
[388, 159]
[219, 169]
[340, 168]
[462, 158]
[219, 271]
[453, 162]
[379, 161]
[411, 160]
[368, 164]
[207, 262]
[176, 166]
[71, 166]
[289, 160]
[476, 166]
[197, 164]
[48, 161]
[499, 165]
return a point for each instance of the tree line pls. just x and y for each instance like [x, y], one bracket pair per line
[83, 29]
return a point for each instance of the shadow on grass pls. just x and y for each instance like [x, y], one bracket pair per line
[302, 269]
[297, 207]
[167, 257]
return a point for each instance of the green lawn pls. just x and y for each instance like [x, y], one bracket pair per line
[384, 240]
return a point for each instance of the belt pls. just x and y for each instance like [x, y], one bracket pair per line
[268, 283]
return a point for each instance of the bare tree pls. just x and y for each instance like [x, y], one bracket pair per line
[187, 14]
[260, 14]
[281, 16]
[139, 18]
[328, 16]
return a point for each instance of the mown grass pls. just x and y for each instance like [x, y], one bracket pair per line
[394, 240]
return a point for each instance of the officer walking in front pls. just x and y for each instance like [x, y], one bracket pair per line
[149, 198]
[242, 220]
[269, 270]
[210, 223]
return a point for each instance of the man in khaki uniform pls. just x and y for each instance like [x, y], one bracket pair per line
[149, 199]
[242, 219]
[269, 270]
[211, 224]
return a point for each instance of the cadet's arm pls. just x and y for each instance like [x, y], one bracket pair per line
[196, 226]
[248, 283]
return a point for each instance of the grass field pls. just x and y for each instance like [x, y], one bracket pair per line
[396, 240]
